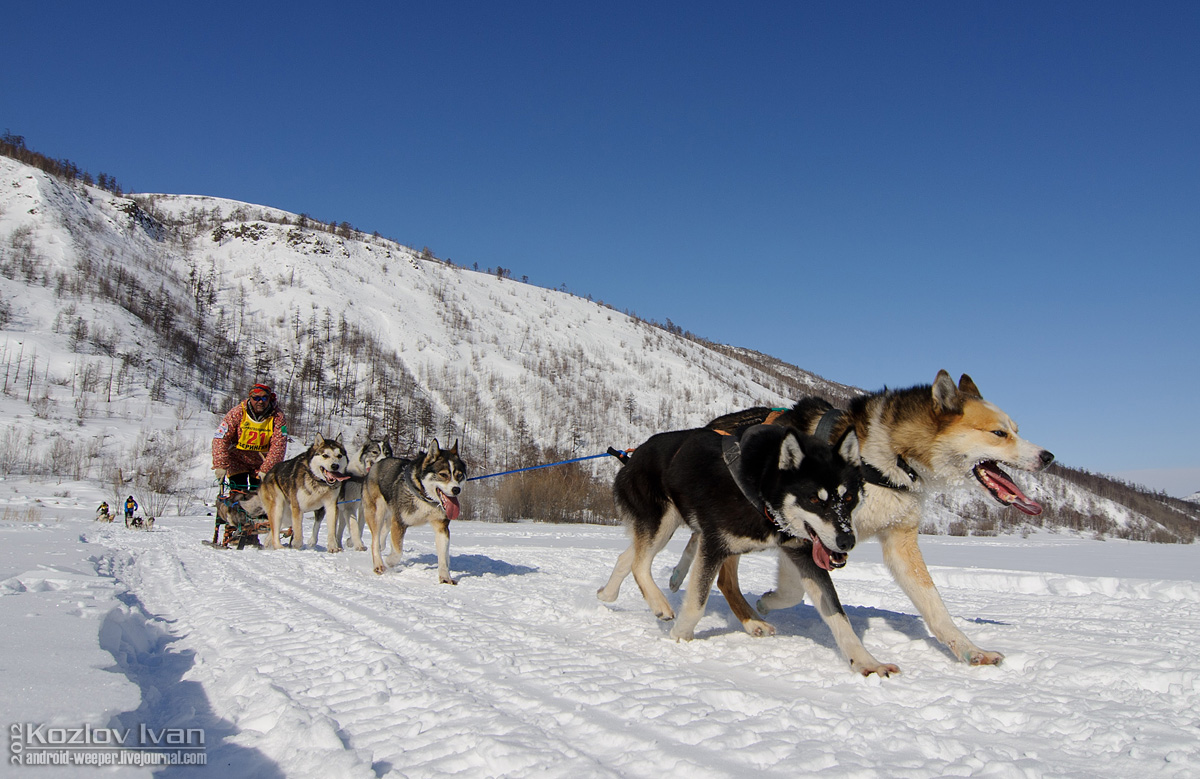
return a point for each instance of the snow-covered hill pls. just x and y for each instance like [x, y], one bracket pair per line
[128, 325]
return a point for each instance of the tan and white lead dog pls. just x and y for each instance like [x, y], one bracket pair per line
[309, 481]
[913, 443]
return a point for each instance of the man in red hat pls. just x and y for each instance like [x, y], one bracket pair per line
[251, 440]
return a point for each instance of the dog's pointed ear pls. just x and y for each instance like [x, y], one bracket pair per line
[454, 449]
[967, 387]
[791, 454]
[319, 441]
[432, 454]
[848, 448]
[387, 448]
[946, 395]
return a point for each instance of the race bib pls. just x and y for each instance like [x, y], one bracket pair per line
[255, 436]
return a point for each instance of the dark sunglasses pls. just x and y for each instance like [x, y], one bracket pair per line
[259, 397]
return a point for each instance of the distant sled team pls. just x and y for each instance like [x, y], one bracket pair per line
[906, 445]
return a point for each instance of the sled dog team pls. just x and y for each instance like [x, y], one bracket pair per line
[810, 481]
[390, 494]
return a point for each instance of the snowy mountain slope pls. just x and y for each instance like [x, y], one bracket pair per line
[165, 308]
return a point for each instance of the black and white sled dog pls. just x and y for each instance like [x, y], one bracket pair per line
[349, 511]
[912, 443]
[766, 487]
[400, 494]
[306, 482]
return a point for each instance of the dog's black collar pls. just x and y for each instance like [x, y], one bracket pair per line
[872, 475]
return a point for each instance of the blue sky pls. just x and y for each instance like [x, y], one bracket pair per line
[869, 190]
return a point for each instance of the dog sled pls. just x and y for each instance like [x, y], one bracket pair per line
[240, 519]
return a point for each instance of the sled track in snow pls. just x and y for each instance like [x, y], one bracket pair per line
[322, 666]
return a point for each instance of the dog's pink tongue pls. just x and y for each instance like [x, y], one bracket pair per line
[1010, 493]
[449, 505]
[821, 556]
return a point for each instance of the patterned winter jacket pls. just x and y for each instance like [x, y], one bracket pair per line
[241, 445]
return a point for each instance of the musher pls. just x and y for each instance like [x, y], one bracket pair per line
[251, 440]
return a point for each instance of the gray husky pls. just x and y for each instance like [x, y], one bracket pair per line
[350, 507]
[412, 492]
[309, 481]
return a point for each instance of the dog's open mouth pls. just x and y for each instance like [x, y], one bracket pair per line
[332, 477]
[1003, 489]
[823, 556]
[449, 504]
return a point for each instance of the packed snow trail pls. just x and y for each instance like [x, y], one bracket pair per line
[310, 664]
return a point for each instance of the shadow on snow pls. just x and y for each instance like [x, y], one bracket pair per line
[143, 653]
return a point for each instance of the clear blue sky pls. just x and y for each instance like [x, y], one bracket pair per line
[870, 190]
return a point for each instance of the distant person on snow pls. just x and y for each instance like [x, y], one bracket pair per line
[251, 440]
[130, 507]
[102, 511]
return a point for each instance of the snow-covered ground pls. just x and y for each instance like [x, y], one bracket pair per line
[302, 663]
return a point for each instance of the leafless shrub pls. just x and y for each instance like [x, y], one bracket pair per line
[30, 514]
[562, 493]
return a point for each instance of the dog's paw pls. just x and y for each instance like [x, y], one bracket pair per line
[604, 595]
[379, 569]
[682, 635]
[758, 628]
[334, 549]
[358, 548]
[677, 577]
[980, 657]
[666, 615]
[883, 670]
[446, 580]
